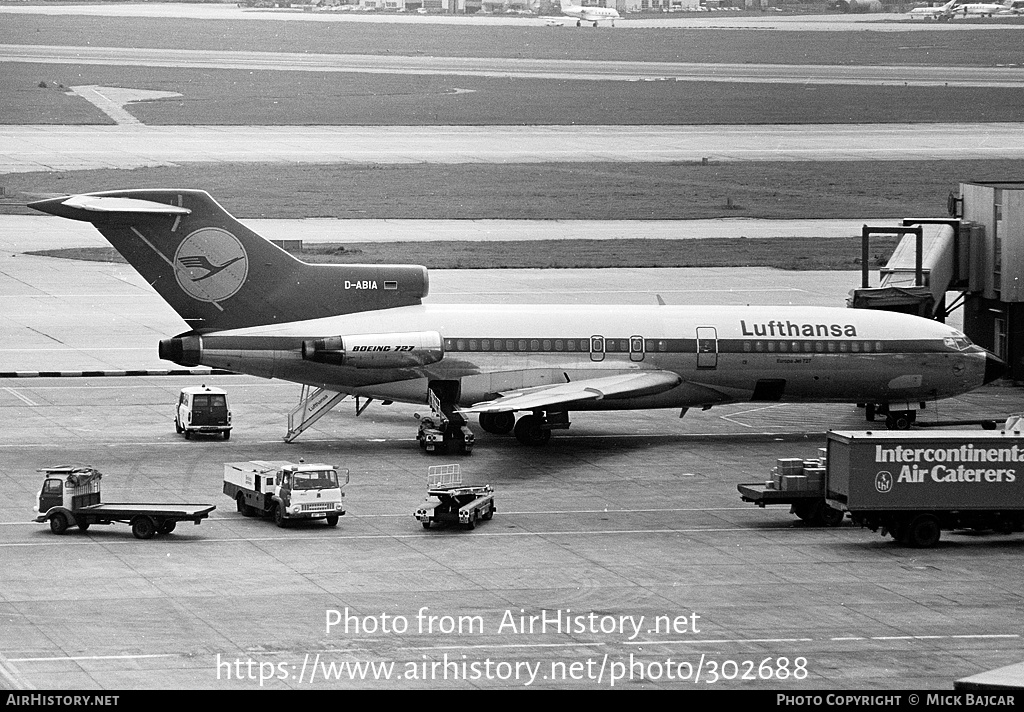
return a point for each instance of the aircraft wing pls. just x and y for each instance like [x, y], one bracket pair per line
[624, 385]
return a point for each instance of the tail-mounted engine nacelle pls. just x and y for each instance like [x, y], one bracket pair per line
[417, 348]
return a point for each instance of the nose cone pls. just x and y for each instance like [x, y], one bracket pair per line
[995, 367]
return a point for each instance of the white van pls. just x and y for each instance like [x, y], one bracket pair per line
[203, 409]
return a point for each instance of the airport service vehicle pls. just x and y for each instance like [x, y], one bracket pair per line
[800, 484]
[454, 503]
[286, 491]
[203, 410]
[441, 435]
[913, 485]
[70, 496]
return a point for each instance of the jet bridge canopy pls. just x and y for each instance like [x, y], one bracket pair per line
[920, 271]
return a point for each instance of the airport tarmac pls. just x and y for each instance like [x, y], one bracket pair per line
[40, 232]
[562, 69]
[30, 148]
[624, 515]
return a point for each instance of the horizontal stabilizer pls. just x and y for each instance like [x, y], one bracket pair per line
[626, 385]
[100, 204]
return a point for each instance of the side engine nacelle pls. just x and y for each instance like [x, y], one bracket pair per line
[402, 350]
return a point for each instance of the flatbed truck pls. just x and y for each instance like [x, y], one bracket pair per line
[286, 491]
[454, 503]
[70, 496]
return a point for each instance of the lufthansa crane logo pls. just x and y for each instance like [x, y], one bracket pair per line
[211, 264]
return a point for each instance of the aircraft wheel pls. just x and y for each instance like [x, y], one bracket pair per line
[528, 430]
[898, 421]
[58, 524]
[498, 423]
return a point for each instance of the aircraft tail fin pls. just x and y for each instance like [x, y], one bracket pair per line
[218, 274]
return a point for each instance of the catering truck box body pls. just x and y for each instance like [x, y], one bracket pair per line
[913, 484]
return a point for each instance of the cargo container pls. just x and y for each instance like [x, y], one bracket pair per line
[913, 485]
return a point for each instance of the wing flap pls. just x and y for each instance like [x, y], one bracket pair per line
[626, 385]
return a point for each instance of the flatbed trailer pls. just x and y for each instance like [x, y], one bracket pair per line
[70, 496]
[455, 503]
[800, 484]
[810, 506]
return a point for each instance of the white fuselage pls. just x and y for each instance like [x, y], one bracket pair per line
[722, 354]
[590, 14]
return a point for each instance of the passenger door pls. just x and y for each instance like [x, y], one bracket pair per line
[707, 347]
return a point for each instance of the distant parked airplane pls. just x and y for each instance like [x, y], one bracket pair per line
[588, 13]
[934, 13]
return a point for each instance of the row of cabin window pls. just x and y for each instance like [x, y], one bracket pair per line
[584, 345]
[819, 347]
[638, 345]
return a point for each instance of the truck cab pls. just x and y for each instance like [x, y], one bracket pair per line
[66, 489]
[287, 491]
[203, 409]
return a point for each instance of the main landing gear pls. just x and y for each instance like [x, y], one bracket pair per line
[531, 429]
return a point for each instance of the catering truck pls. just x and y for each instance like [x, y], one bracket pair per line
[70, 496]
[913, 485]
[286, 491]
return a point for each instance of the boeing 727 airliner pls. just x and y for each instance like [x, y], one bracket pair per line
[365, 330]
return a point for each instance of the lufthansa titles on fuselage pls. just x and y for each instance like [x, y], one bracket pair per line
[790, 328]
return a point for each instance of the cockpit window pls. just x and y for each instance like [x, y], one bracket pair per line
[958, 341]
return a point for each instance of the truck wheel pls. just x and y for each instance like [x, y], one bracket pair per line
[242, 507]
[188, 434]
[426, 524]
[471, 524]
[332, 520]
[168, 527]
[83, 523]
[177, 426]
[831, 517]
[58, 524]
[279, 519]
[808, 511]
[490, 513]
[924, 532]
[143, 528]
[227, 434]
